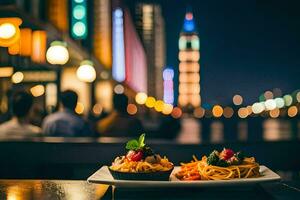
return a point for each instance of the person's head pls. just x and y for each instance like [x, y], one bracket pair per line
[69, 99]
[21, 104]
[120, 102]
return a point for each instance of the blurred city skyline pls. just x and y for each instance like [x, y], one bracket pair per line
[247, 47]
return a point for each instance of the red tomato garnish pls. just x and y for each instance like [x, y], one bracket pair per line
[226, 154]
[134, 155]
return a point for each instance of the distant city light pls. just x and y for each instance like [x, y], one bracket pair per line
[79, 109]
[274, 113]
[131, 109]
[288, 100]
[217, 111]
[237, 100]
[298, 97]
[243, 113]
[150, 102]
[199, 112]
[279, 102]
[159, 105]
[268, 95]
[86, 71]
[189, 24]
[118, 65]
[119, 89]
[6, 71]
[57, 53]
[228, 112]
[79, 28]
[292, 111]
[97, 109]
[141, 98]
[17, 77]
[176, 113]
[270, 104]
[167, 109]
[37, 90]
[9, 31]
[168, 75]
[258, 108]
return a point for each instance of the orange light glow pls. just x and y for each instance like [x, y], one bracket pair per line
[9, 31]
[228, 112]
[274, 113]
[217, 111]
[292, 111]
[243, 113]
[58, 14]
[131, 109]
[176, 113]
[189, 16]
[39, 42]
[237, 99]
[199, 112]
[189, 67]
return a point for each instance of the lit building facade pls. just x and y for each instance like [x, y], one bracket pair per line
[151, 28]
[189, 67]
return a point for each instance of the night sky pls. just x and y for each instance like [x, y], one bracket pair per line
[247, 46]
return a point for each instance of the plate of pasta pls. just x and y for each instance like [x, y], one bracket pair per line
[224, 168]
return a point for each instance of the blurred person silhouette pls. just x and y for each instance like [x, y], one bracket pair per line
[19, 125]
[66, 123]
[119, 123]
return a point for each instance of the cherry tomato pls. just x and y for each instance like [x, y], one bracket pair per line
[226, 154]
[134, 155]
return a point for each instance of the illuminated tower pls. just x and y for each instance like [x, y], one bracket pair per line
[189, 68]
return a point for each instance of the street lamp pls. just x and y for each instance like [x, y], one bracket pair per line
[86, 71]
[9, 31]
[57, 53]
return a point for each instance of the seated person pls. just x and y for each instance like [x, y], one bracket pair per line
[66, 123]
[19, 124]
[119, 123]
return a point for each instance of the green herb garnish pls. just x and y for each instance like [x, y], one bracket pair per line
[136, 144]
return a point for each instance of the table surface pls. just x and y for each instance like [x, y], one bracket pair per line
[80, 189]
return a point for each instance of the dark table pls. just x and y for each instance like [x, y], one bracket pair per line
[81, 190]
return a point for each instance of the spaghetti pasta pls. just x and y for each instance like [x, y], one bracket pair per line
[201, 170]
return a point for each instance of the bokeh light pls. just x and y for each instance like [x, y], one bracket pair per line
[17, 77]
[298, 97]
[79, 108]
[270, 104]
[176, 113]
[159, 105]
[217, 111]
[268, 95]
[141, 98]
[7, 30]
[243, 113]
[237, 99]
[199, 112]
[288, 100]
[228, 112]
[274, 113]
[167, 109]
[258, 107]
[97, 109]
[119, 89]
[292, 111]
[86, 72]
[150, 102]
[279, 102]
[131, 109]
[57, 53]
[37, 90]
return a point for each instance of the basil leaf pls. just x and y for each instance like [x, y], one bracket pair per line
[142, 141]
[132, 145]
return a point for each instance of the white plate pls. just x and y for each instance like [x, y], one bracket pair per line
[103, 176]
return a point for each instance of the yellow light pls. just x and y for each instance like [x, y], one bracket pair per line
[243, 113]
[189, 77]
[199, 112]
[183, 99]
[17, 77]
[131, 109]
[237, 99]
[176, 113]
[292, 111]
[298, 97]
[217, 111]
[141, 98]
[57, 53]
[228, 112]
[6, 71]
[274, 113]
[79, 108]
[37, 90]
[270, 104]
[167, 109]
[119, 89]
[189, 67]
[189, 56]
[86, 72]
[9, 31]
[195, 100]
[288, 100]
[159, 105]
[150, 102]
[97, 109]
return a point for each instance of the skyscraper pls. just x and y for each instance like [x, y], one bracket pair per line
[150, 25]
[189, 67]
